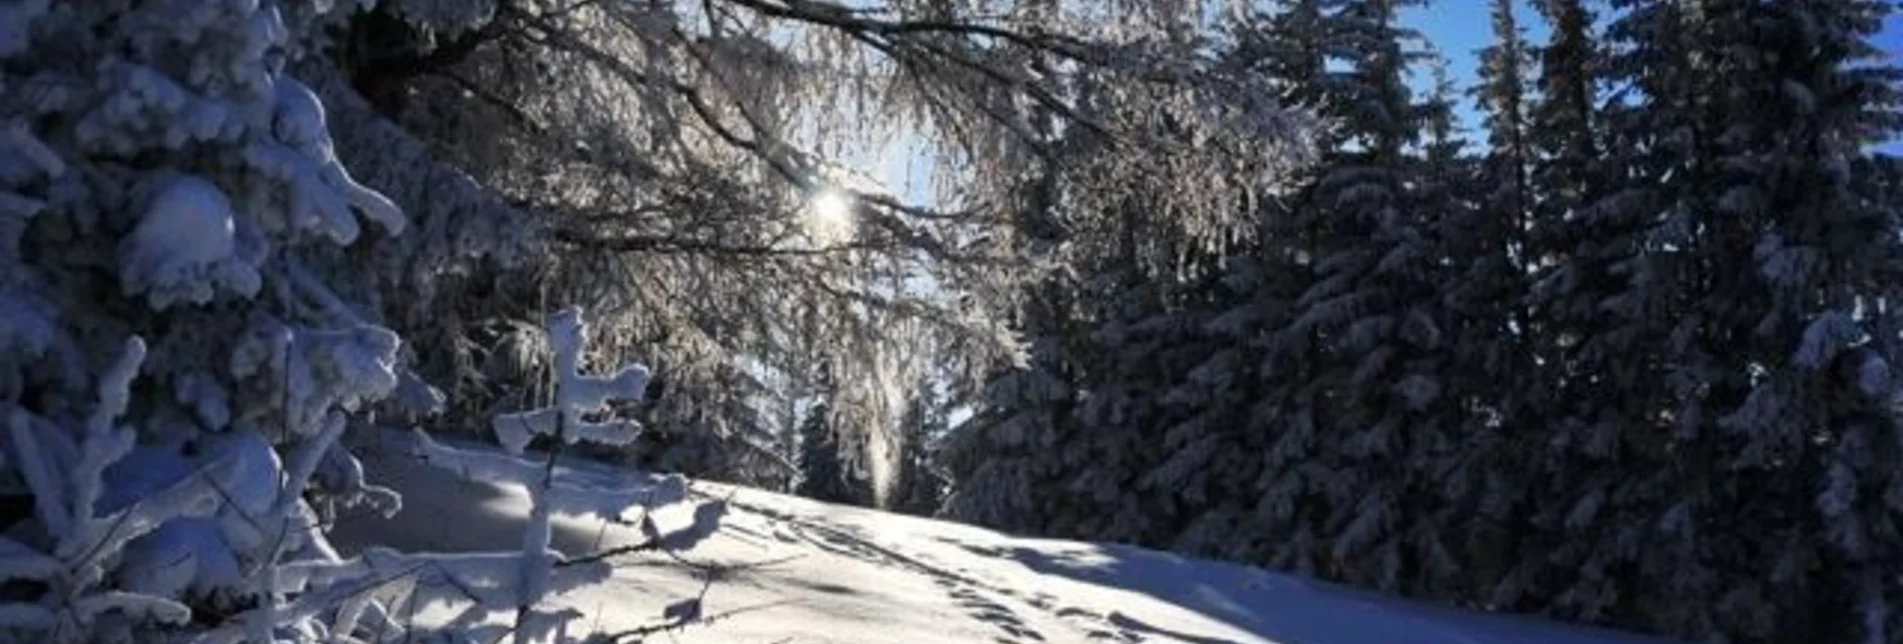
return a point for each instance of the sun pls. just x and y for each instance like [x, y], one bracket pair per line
[829, 216]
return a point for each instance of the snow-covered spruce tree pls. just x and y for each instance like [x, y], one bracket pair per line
[1809, 338]
[1049, 442]
[738, 442]
[1369, 326]
[1019, 409]
[184, 334]
[993, 457]
[1158, 394]
[1127, 336]
[554, 489]
[921, 488]
[990, 455]
[163, 181]
[1476, 241]
[1486, 310]
[1004, 471]
[1584, 431]
[1803, 402]
[1166, 410]
[1505, 208]
[1133, 453]
[1563, 137]
[1587, 379]
[1719, 416]
[1561, 119]
[1282, 43]
[1506, 65]
[1255, 431]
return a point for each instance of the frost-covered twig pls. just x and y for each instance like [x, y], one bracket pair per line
[636, 634]
[648, 545]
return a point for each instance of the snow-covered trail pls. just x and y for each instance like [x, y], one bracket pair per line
[792, 570]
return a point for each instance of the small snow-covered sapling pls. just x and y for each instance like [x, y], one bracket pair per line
[551, 491]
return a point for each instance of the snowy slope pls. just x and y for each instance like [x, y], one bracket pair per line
[793, 570]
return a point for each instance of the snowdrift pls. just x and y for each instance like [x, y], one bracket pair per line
[785, 569]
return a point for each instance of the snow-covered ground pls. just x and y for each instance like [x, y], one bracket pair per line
[785, 569]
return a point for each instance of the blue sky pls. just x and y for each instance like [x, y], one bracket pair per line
[1460, 28]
